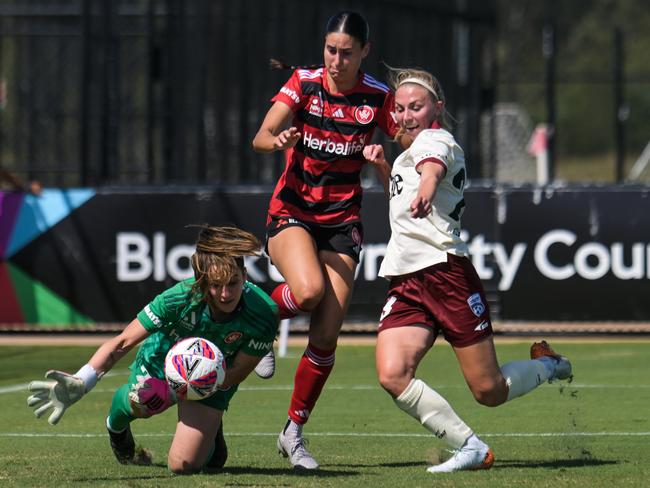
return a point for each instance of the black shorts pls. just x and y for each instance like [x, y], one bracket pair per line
[341, 238]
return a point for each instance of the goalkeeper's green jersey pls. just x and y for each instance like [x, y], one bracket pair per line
[176, 314]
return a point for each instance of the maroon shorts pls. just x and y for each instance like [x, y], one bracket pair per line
[448, 297]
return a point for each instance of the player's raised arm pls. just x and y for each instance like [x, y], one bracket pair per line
[431, 176]
[272, 134]
[62, 389]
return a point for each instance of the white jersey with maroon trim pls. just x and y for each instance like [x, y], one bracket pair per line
[416, 244]
[321, 181]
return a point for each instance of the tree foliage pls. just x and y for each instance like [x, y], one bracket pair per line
[584, 66]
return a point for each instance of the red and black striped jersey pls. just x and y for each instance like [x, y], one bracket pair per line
[322, 178]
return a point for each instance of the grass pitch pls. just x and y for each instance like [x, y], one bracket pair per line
[592, 432]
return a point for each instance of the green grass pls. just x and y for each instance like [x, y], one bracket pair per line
[597, 169]
[593, 432]
[594, 169]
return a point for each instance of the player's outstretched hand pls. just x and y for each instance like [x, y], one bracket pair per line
[59, 393]
[420, 207]
[374, 154]
[286, 139]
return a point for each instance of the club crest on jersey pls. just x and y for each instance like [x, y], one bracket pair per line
[316, 107]
[364, 114]
[232, 337]
[476, 304]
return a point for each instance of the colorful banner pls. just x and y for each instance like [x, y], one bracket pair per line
[81, 257]
[25, 224]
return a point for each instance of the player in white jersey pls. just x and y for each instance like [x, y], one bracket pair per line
[417, 243]
[434, 287]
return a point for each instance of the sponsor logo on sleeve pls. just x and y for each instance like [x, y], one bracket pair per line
[152, 316]
[290, 93]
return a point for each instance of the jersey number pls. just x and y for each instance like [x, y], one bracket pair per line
[458, 210]
[458, 182]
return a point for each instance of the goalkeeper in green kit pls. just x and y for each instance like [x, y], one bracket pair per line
[219, 305]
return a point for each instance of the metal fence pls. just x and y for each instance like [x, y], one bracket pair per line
[581, 70]
[101, 92]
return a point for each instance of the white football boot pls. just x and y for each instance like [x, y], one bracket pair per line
[291, 444]
[266, 367]
[475, 454]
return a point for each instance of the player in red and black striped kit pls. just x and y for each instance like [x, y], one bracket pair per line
[321, 182]
[322, 118]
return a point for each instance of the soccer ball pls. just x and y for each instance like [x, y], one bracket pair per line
[194, 368]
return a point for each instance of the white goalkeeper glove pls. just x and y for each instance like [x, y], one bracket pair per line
[58, 394]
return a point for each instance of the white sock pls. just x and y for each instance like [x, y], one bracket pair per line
[475, 443]
[292, 429]
[524, 376]
[434, 413]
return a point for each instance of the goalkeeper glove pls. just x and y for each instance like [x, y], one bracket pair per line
[58, 394]
[151, 396]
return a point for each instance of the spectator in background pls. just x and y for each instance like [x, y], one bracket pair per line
[434, 287]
